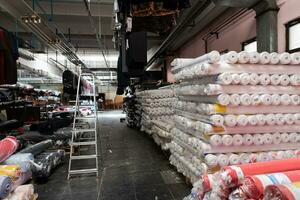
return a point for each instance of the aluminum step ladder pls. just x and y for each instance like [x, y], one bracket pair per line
[79, 133]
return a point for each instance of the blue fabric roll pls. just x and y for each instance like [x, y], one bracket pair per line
[21, 159]
[5, 186]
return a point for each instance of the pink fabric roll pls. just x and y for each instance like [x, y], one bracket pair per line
[7, 147]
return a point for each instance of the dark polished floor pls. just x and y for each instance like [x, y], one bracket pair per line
[133, 168]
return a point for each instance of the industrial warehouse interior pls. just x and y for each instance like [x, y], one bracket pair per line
[149, 100]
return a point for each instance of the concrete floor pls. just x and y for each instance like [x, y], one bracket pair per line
[133, 168]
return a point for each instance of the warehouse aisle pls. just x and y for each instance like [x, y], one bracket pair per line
[134, 168]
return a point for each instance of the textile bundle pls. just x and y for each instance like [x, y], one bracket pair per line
[22, 192]
[13, 171]
[5, 186]
[7, 147]
[289, 191]
[38, 148]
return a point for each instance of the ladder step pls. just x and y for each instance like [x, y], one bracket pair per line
[84, 130]
[87, 117]
[84, 171]
[83, 157]
[83, 143]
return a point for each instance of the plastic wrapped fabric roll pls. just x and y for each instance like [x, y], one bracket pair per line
[274, 60]
[276, 138]
[283, 191]
[297, 118]
[255, 99]
[247, 139]
[258, 139]
[295, 58]
[284, 80]
[261, 120]
[230, 120]
[243, 57]
[293, 137]
[211, 57]
[253, 187]
[253, 57]
[223, 160]
[224, 99]
[252, 120]
[253, 157]
[230, 57]
[217, 120]
[236, 79]
[262, 157]
[24, 177]
[279, 119]
[13, 171]
[237, 140]
[284, 137]
[245, 78]
[235, 99]
[9, 125]
[242, 120]
[270, 119]
[264, 58]
[285, 58]
[5, 186]
[295, 99]
[264, 79]
[254, 79]
[7, 147]
[290, 119]
[21, 159]
[245, 158]
[225, 78]
[211, 160]
[227, 140]
[275, 79]
[180, 62]
[276, 99]
[295, 79]
[234, 159]
[216, 140]
[23, 192]
[38, 148]
[266, 99]
[245, 99]
[267, 138]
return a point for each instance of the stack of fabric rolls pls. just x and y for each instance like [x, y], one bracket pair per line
[157, 114]
[235, 108]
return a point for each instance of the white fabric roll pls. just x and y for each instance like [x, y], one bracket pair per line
[225, 78]
[223, 160]
[262, 157]
[254, 79]
[243, 57]
[255, 99]
[230, 57]
[227, 140]
[293, 137]
[285, 58]
[272, 155]
[280, 155]
[264, 58]
[289, 119]
[274, 58]
[230, 120]
[284, 137]
[268, 138]
[242, 120]
[237, 140]
[275, 79]
[279, 119]
[235, 99]
[285, 99]
[216, 140]
[270, 119]
[295, 79]
[217, 120]
[264, 79]
[276, 138]
[245, 78]
[247, 139]
[224, 99]
[266, 99]
[252, 120]
[245, 99]
[253, 157]
[284, 80]
[236, 79]
[245, 158]
[211, 160]
[258, 139]
[276, 99]
[261, 119]
[234, 159]
[295, 99]
[295, 58]
[289, 154]
[254, 57]
[297, 118]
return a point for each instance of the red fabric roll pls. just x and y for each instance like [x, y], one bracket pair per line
[7, 147]
[283, 192]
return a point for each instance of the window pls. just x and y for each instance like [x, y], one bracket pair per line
[250, 45]
[292, 36]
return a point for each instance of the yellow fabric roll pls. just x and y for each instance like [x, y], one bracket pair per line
[219, 108]
[13, 171]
